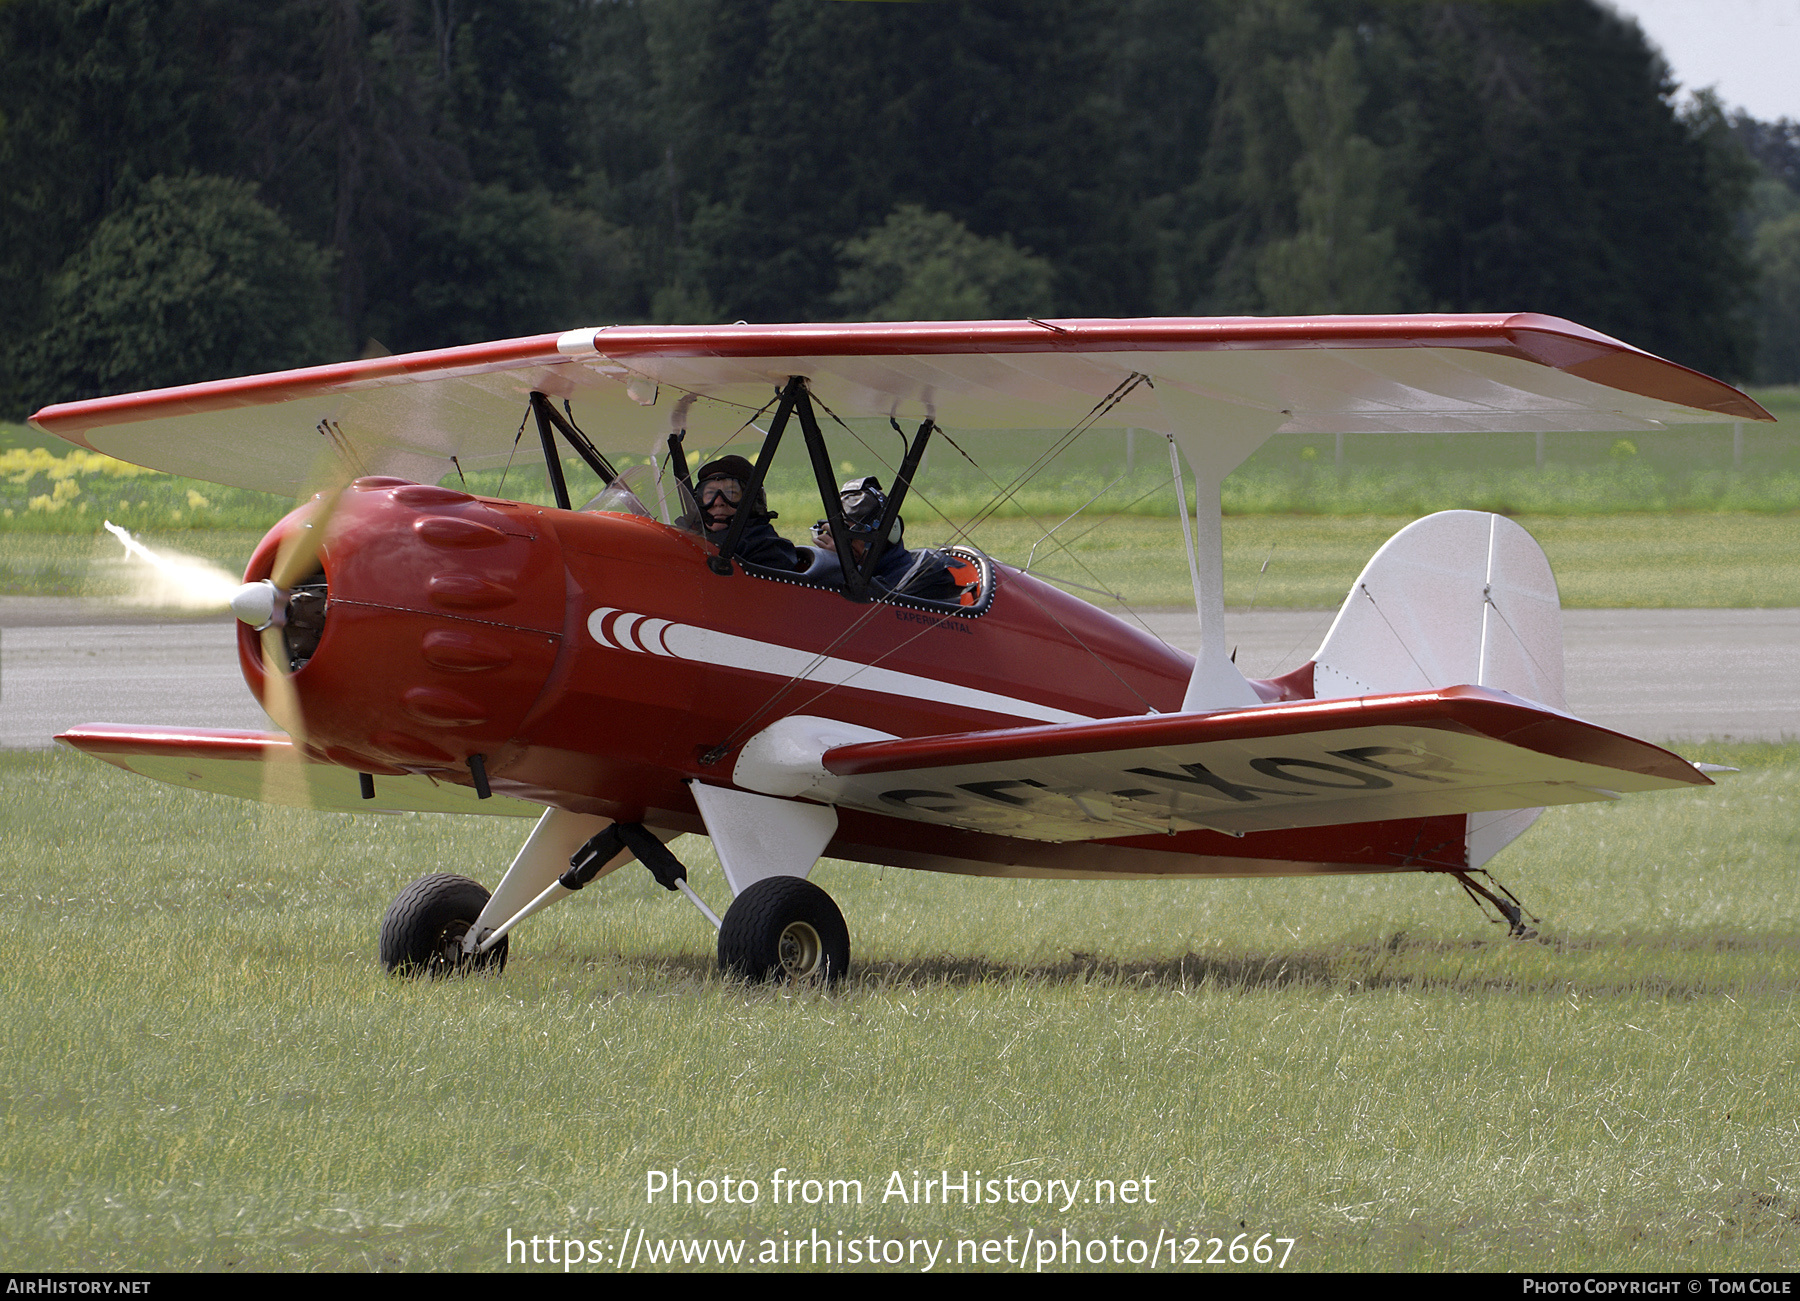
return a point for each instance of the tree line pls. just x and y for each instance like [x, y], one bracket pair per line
[197, 188]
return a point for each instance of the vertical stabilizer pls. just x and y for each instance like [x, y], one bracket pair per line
[1460, 597]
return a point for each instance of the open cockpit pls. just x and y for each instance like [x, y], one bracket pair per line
[870, 563]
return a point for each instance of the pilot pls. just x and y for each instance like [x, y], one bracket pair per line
[720, 487]
[922, 574]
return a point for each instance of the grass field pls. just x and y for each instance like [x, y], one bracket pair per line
[203, 1067]
[1702, 560]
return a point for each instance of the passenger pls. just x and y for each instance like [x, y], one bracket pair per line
[922, 574]
[720, 486]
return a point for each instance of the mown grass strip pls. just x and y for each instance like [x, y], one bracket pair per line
[202, 1067]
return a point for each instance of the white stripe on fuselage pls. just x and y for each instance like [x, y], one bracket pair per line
[642, 634]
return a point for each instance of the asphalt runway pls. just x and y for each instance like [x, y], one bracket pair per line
[1664, 675]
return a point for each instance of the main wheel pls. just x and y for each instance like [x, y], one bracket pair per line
[422, 933]
[784, 928]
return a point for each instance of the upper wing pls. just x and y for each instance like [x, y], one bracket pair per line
[265, 766]
[410, 415]
[1306, 764]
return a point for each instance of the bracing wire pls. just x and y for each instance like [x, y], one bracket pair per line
[1004, 494]
[1364, 589]
[523, 421]
[962, 532]
[1119, 393]
[1487, 596]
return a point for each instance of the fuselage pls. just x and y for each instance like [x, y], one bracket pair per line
[596, 663]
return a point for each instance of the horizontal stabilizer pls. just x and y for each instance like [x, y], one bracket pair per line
[265, 766]
[1455, 750]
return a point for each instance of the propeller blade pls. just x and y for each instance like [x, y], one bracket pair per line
[296, 561]
[333, 470]
[280, 701]
[298, 556]
[283, 772]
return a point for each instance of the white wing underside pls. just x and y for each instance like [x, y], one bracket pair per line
[1228, 384]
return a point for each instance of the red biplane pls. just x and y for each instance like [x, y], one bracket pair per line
[613, 673]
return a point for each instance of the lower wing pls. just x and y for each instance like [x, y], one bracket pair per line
[1301, 764]
[267, 766]
[1455, 750]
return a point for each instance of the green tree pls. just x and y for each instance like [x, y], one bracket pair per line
[794, 125]
[191, 279]
[506, 264]
[1550, 170]
[1771, 221]
[1162, 106]
[500, 75]
[98, 95]
[477, 167]
[1242, 196]
[927, 266]
[1777, 255]
[341, 125]
[1343, 257]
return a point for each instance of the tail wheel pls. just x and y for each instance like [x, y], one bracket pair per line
[422, 933]
[784, 928]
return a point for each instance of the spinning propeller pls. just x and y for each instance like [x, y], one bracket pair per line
[287, 611]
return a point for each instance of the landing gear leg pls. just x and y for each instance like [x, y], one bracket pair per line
[641, 844]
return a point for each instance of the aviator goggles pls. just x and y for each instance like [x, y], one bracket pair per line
[713, 490]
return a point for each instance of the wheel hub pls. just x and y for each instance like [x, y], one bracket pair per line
[450, 955]
[800, 950]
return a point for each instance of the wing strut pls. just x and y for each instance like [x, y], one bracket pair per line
[854, 584]
[796, 401]
[547, 420]
[792, 392]
[909, 466]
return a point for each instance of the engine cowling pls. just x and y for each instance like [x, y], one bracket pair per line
[427, 633]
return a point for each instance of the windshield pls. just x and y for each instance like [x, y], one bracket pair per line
[687, 510]
[625, 496]
[620, 497]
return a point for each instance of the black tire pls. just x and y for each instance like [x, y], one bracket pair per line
[784, 928]
[422, 933]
